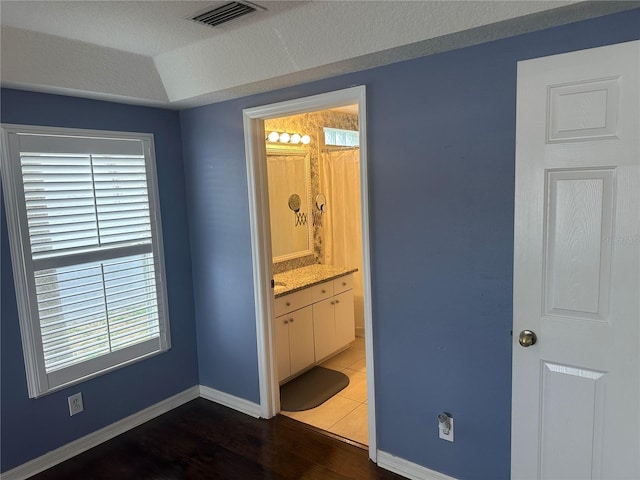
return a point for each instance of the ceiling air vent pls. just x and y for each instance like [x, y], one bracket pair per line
[225, 13]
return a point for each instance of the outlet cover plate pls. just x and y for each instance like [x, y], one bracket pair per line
[446, 436]
[75, 404]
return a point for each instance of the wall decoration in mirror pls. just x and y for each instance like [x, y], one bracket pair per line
[294, 205]
[294, 202]
[289, 176]
[321, 207]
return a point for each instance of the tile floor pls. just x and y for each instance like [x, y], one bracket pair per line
[344, 414]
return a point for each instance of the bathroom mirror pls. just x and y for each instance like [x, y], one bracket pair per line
[289, 175]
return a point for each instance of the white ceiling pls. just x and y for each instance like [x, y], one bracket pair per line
[146, 52]
[144, 27]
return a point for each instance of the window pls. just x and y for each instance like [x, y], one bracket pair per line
[341, 138]
[86, 247]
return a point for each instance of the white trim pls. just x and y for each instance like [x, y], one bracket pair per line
[31, 349]
[261, 261]
[261, 241]
[80, 445]
[236, 403]
[408, 469]
[83, 444]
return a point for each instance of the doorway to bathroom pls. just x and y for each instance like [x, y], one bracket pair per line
[315, 157]
[332, 208]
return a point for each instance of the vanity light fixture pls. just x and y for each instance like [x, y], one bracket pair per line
[285, 137]
[273, 137]
[291, 138]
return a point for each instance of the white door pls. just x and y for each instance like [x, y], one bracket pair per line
[576, 392]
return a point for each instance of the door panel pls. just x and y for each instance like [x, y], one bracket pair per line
[579, 215]
[576, 392]
[583, 110]
[583, 418]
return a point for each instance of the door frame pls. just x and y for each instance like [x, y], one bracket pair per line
[256, 162]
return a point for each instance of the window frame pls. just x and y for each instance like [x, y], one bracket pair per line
[38, 381]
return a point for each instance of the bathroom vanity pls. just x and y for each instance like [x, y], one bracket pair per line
[314, 316]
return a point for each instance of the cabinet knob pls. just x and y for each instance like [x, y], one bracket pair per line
[324, 291]
[337, 301]
[333, 303]
[286, 321]
[344, 284]
[291, 320]
[288, 304]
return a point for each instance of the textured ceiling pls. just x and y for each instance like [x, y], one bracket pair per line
[143, 27]
[147, 52]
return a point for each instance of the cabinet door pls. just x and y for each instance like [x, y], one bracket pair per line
[345, 321]
[324, 328]
[301, 351]
[282, 346]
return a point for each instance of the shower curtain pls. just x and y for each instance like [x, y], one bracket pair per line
[341, 226]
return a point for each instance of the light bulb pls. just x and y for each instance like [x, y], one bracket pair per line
[285, 137]
[295, 138]
[306, 139]
[273, 136]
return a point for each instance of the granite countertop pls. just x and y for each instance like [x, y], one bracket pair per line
[294, 280]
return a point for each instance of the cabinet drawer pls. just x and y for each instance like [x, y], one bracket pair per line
[343, 284]
[291, 302]
[321, 291]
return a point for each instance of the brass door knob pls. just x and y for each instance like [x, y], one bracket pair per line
[527, 338]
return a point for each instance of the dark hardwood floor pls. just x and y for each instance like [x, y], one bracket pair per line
[204, 440]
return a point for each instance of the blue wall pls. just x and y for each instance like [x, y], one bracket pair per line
[31, 427]
[441, 135]
[441, 156]
[221, 249]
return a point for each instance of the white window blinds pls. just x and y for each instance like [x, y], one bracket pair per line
[95, 308]
[91, 247]
[77, 203]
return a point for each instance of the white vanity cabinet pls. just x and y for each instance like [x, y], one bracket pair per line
[312, 324]
[333, 317]
[294, 334]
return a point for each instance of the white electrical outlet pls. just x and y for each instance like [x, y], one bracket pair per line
[75, 404]
[445, 427]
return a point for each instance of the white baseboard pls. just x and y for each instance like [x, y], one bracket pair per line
[59, 455]
[236, 403]
[82, 444]
[408, 469]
